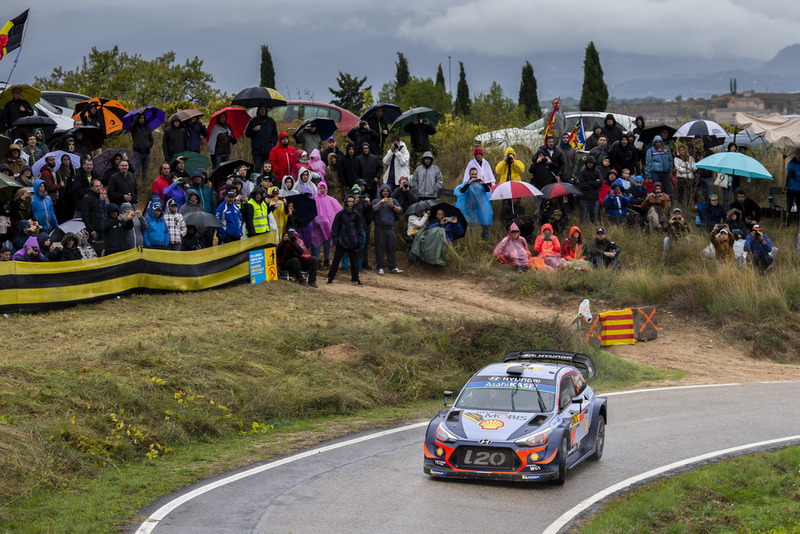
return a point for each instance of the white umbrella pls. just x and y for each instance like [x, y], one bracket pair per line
[514, 189]
[701, 128]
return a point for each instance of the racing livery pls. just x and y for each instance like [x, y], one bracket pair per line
[529, 418]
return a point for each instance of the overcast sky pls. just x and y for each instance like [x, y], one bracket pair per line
[311, 40]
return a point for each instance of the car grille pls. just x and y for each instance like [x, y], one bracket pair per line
[485, 458]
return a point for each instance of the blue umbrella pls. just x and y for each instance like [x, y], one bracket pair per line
[390, 112]
[74, 158]
[153, 117]
[325, 127]
[735, 163]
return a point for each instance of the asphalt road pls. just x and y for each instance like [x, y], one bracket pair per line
[377, 485]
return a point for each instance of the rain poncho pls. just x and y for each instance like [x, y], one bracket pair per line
[474, 201]
[287, 191]
[315, 163]
[513, 250]
[548, 249]
[308, 183]
[327, 208]
[429, 246]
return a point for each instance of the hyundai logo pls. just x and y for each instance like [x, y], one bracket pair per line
[485, 442]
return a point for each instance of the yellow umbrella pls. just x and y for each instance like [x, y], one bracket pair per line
[29, 93]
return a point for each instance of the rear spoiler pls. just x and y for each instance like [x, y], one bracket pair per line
[581, 361]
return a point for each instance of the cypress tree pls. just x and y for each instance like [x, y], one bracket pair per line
[461, 105]
[440, 76]
[402, 74]
[267, 69]
[528, 97]
[594, 96]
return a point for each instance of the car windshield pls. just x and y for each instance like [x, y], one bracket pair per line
[49, 107]
[512, 394]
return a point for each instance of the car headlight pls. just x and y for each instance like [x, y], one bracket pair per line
[444, 435]
[534, 440]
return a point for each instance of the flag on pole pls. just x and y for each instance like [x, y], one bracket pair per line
[552, 119]
[577, 138]
[11, 34]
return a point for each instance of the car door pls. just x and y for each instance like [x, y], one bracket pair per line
[576, 414]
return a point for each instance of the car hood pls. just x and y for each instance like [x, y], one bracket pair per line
[496, 426]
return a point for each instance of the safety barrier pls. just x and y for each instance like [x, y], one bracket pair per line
[27, 286]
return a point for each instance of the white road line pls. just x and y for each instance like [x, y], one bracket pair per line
[570, 514]
[152, 521]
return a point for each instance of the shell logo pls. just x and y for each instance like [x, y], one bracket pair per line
[491, 424]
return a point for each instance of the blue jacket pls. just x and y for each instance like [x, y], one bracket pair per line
[616, 205]
[194, 131]
[231, 217]
[43, 208]
[157, 234]
[793, 175]
[756, 247]
[658, 159]
[177, 191]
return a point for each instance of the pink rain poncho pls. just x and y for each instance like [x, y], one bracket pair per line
[319, 229]
[513, 249]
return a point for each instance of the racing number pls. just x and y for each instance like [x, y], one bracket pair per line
[485, 458]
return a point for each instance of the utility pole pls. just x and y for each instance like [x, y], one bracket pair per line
[449, 76]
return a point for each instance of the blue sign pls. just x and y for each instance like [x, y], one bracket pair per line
[258, 267]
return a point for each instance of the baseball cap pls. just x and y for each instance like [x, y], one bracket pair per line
[638, 179]
[601, 230]
[757, 227]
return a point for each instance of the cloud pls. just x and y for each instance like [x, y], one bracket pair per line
[710, 28]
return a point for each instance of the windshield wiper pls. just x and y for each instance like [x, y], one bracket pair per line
[542, 405]
[513, 409]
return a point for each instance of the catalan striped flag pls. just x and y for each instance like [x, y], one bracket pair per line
[577, 137]
[11, 34]
[616, 327]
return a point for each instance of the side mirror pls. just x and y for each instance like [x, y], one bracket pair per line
[448, 395]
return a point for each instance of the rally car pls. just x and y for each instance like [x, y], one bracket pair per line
[529, 418]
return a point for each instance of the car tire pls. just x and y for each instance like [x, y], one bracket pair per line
[563, 450]
[600, 439]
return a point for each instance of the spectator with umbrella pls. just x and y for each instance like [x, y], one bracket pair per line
[263, 134]
[225, 127]
[420, 124]
[312, 131]
[175, 138]
[362, 133]
[379, 117]
[15, 107]
[195, 131]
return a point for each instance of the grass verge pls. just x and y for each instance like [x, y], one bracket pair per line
[753, 493]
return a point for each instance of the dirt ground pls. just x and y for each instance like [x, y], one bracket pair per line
[681, 344]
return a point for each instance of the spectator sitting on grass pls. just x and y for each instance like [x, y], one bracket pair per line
[722, 240]
[759, 248]
[657, 207]
[513, 250]
[604, 252]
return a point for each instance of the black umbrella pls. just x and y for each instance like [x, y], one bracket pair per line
[647, 135]
[252, 97]
[390, 112]
[103, 160]
[221, 173]
[8, 188]
[92, 136]
[325, 127]
[305, 209]
[450, 211]
[202, 219]
[559, 189]
[526, 225]
[35, 121]
[5, 142]
[420, 206]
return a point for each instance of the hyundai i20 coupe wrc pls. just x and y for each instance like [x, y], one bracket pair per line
[529, 418]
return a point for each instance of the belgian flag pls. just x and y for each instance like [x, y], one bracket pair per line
[11, 34]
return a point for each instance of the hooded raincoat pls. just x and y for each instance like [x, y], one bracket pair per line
[513, 249]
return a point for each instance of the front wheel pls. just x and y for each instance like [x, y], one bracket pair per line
[600, 440]
[563, 450]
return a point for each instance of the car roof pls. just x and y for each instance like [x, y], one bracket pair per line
[540, 370]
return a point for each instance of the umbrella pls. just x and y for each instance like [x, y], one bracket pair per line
[7, 188]
[186, 114]
[193, 160]
[408, 117]
[102, 162]
[111, 113]
[30, 94]
[93, 136]
[219, 174]
[735, 163]
[647, 135]
[418, 207]
[5, 142]
[153, 117]
[253, 97]
[34, 121]
[71, 226]
[390, 112]
[237, 119]
[305, 209]
[451, 211]
[701, 128]
[559, 189]
[514, 189]
[202, 219]
[325, 127]
[74, 158]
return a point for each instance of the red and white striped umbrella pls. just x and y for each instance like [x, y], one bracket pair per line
[514, 190]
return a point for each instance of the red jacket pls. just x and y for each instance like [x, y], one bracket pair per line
[159, 184]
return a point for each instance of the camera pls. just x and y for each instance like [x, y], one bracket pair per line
[396, 146]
